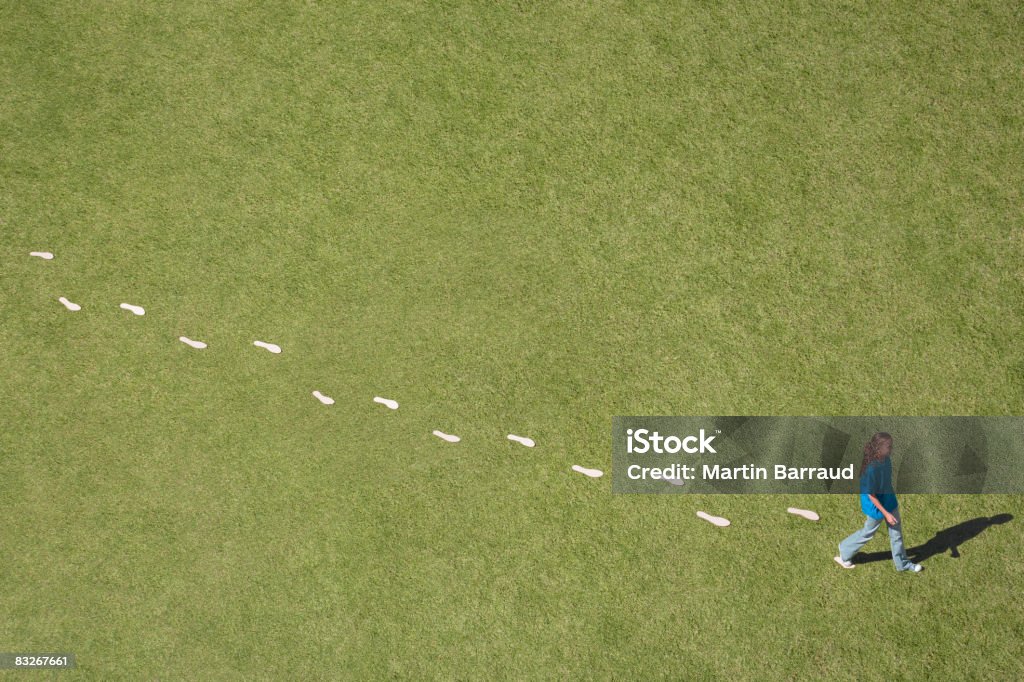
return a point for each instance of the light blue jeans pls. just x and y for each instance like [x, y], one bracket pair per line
[853, 544]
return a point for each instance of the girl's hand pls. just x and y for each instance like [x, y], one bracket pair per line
[889, 518]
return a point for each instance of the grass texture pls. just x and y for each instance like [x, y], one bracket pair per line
[511, 217]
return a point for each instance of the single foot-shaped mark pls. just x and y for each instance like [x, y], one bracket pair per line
[715, 520]
[137, 309]
[68, 304]
[45, 255]
[806, 513]
[272, 347]
[326, 400]
[393, 404]
[593, 473]
[447, 436]
[528, 442]
[190, 342]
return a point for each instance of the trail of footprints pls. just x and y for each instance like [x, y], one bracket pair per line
[393, 405]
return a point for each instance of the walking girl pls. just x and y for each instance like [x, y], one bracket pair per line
[878, 502]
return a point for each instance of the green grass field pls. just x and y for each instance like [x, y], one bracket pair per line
[510, 217]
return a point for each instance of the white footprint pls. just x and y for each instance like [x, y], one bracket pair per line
[447, 436]
[68, 304]
[137, 309]
[806, 513]
[716, 520]
[45, 255]
[675, 481]
[393, 404]
[272, 347]
[528, 442]
[593, 473]
[326, 400]
[190, 342]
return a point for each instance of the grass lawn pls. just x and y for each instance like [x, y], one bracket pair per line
[511, 217]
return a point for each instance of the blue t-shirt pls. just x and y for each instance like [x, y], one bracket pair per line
[877, 480]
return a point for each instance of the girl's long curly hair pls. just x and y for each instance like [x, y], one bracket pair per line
[873, 451]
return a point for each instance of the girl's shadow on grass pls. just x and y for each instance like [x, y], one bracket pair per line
[949, 540]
